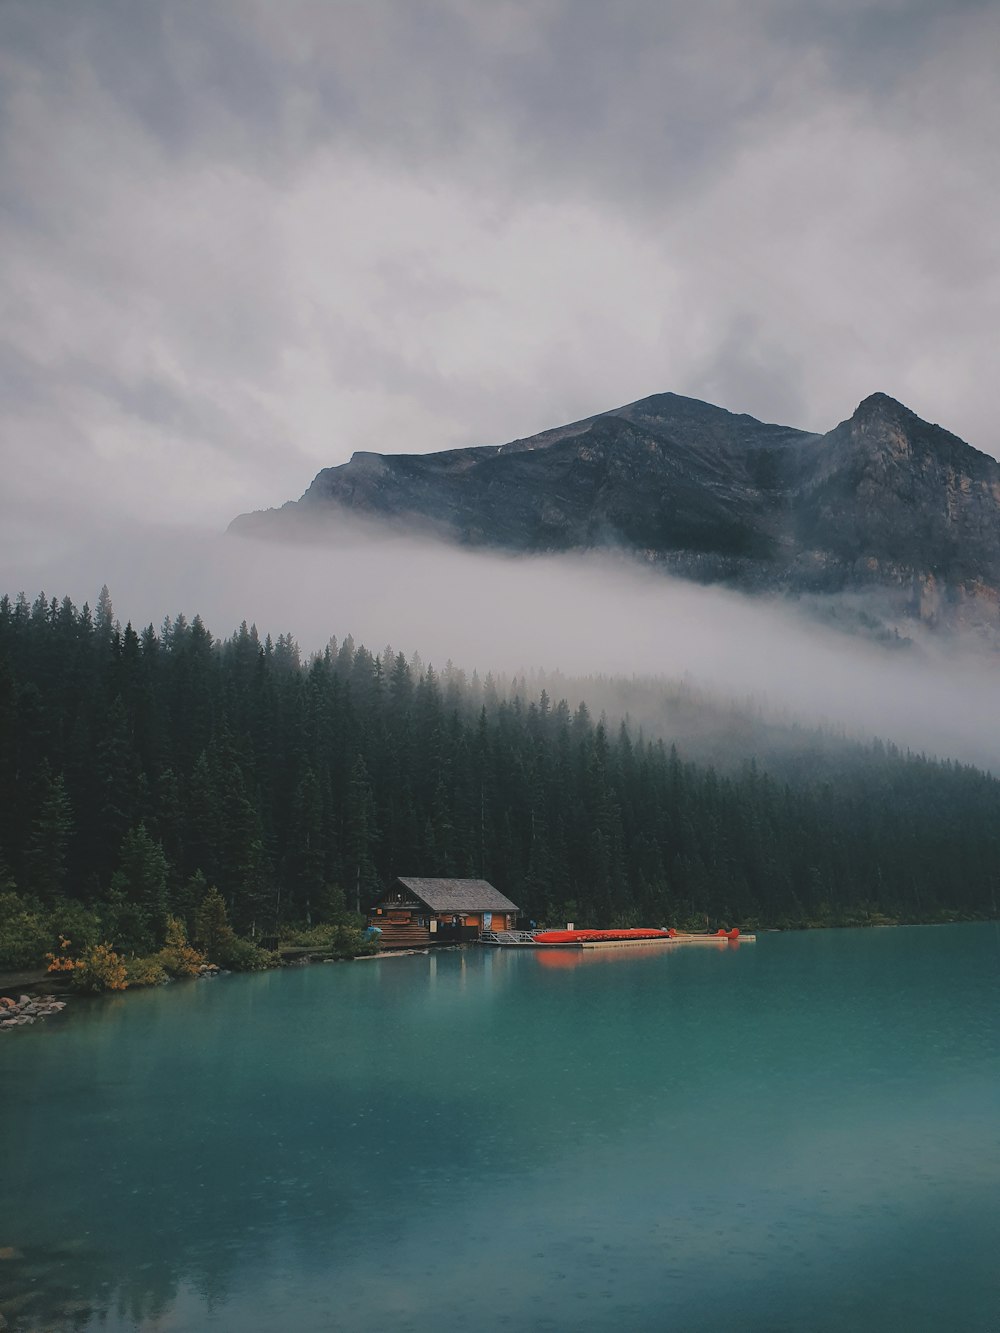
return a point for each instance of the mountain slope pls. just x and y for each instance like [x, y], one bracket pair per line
[884, 502]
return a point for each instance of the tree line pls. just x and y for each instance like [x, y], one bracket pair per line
[141, 769]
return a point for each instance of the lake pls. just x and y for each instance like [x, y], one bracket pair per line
[801, 1133]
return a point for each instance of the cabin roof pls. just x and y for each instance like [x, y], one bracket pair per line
[459, 895]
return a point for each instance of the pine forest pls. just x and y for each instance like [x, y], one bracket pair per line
[145, 775]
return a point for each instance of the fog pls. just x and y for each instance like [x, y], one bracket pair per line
[580, 615]
[239, 242]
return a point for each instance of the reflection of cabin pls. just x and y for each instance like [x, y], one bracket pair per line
[417, 912]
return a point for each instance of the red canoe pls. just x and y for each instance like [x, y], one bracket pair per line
[607, 936]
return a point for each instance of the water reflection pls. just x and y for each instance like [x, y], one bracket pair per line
[574, 957]
[628, 1139]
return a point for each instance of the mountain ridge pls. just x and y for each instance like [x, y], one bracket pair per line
[884, 503]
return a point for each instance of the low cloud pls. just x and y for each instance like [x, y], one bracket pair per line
[576, 615]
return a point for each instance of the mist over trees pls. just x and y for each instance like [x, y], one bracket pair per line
[140, 769]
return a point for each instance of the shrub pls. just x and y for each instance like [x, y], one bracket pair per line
[177, 957]
[242, 956]
[335, 940]
[351, 942]
[62, 961]
[309, 937]
[125, 922]
[100, 969]
[145, 972]
[79, 923]
[24, 932]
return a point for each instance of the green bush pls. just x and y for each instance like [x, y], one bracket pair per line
[309, 937]
[351, 943]
[145, 972]
[24, 932]
[71, 919]
[335, 940]
[243, 956]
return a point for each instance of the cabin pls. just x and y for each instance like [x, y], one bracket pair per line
[418, 912]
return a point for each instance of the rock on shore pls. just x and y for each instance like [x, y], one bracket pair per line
[27, 1009]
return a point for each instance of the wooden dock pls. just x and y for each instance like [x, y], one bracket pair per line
[523, 939]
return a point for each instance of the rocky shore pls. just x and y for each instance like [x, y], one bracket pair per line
[27, 1009]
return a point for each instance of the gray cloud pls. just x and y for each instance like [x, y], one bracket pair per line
[242, 240]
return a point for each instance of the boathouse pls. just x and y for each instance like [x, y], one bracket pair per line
[417, 912]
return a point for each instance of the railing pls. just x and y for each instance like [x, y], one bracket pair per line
[506, 937]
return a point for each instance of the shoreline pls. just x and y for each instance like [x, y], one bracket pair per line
[46, 994]
[26, 996]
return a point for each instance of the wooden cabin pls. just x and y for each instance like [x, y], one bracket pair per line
[418, 912]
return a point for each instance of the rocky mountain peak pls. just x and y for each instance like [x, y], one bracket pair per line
[880, 426]
[884, 502]
[879, 406]
[885, 422]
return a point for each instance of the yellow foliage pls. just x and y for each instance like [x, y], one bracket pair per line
[61, 961]
[177, 957]
[100, 969]
[60, 964]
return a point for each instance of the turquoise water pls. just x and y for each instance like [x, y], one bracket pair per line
[797, 1134]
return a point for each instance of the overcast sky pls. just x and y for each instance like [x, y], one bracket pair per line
[240, 240]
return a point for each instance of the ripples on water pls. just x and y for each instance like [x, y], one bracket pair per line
[797, 1134]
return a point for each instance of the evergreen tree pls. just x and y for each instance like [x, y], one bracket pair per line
[138, 895]
[52, 827]
[361, 837]
[212, 931]
[307, 852]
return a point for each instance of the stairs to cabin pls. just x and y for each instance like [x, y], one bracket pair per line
[411, 936]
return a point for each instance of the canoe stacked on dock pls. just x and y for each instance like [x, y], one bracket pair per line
[595, 939]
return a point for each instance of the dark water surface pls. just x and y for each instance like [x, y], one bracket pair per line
[797, 1134]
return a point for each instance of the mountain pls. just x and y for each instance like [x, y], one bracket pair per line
[884, 504]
